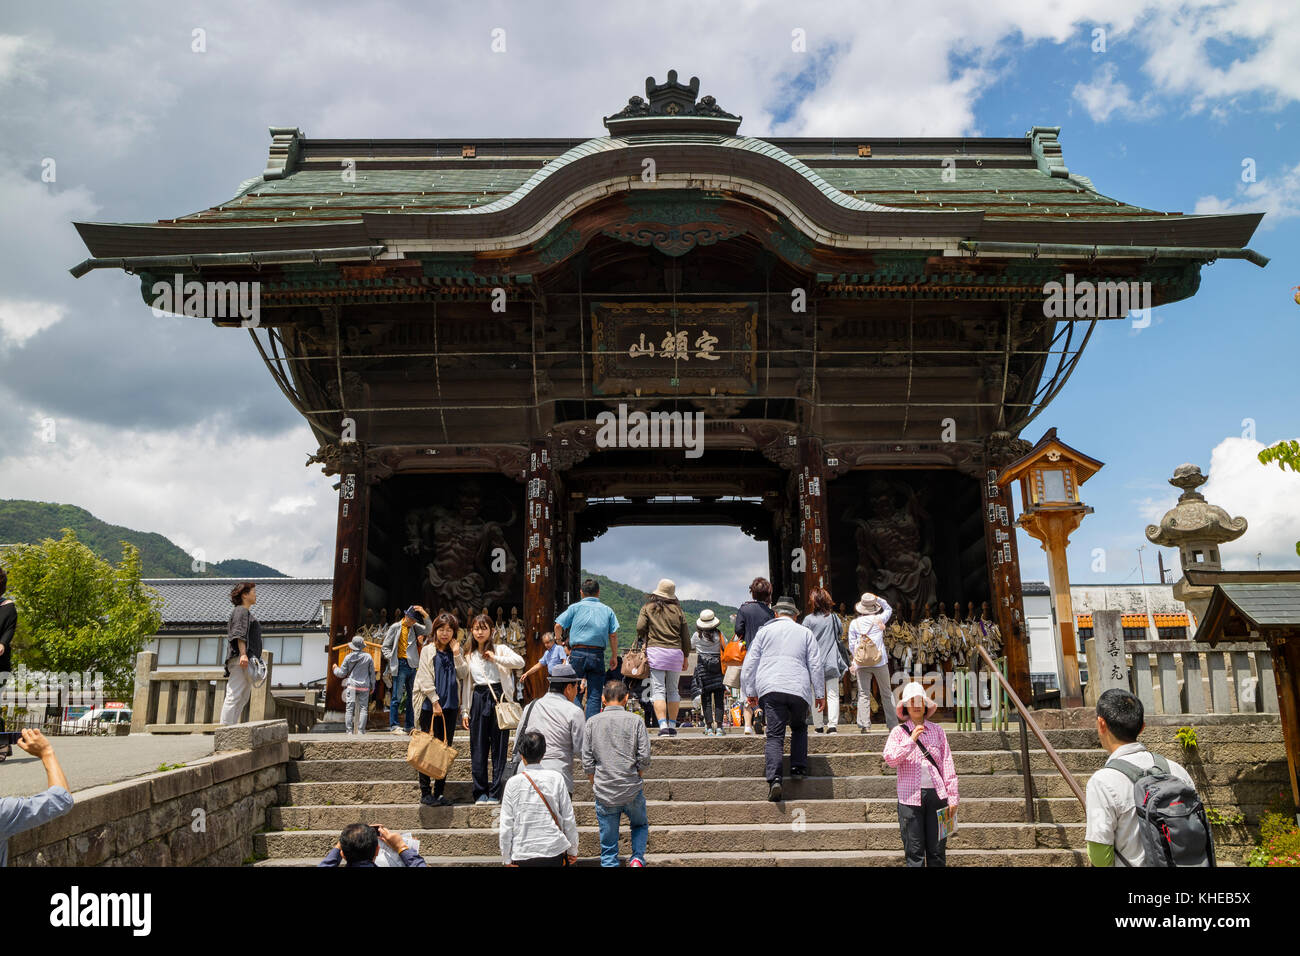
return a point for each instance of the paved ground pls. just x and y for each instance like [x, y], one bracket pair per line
[92, 761]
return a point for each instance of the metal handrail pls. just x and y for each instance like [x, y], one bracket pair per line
[1028, 722]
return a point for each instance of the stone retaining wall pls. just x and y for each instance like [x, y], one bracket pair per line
[202, 814]
[1238, 765]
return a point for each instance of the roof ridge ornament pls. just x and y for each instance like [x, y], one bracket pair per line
[672, 106]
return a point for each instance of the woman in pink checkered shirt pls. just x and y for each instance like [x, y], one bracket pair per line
[927, 778]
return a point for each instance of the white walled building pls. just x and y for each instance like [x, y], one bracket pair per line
[195, 612]
[1149, 612]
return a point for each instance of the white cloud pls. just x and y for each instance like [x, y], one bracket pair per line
[1264, 495]
[230, 496]
[1106, 95]
[20, 319]
[1276, 196]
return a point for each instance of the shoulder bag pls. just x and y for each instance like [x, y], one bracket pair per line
[508, 713]
[512, 765]
[636, 666]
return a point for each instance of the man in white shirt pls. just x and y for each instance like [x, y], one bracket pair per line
[1113, 835]
[538, 827]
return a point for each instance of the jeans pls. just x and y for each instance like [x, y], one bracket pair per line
[608, 818]
[589, 663]
[356, 709]
[715, 711]
[920, 831]
[403, 689]
[485, 737]
[238, 691]
[881, 674]
[780, 710]
[444, 728]
[832, 718]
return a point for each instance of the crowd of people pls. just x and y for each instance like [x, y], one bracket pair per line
[787, 672]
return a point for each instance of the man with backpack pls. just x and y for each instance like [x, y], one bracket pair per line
[1143, 810]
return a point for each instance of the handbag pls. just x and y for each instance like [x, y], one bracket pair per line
[512, 765]
[429, 755]
[508, 713]
[635, 663]
[733, 655]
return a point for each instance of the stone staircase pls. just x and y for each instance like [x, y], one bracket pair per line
[707, 803]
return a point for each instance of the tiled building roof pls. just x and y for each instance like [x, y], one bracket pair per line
[205, 602]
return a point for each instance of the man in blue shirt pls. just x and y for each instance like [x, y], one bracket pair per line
[22, 813]
[553, 653]
[592, 627]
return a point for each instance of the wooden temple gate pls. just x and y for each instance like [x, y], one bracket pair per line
[860, 326]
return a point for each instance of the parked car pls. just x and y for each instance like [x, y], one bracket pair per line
[101, 716]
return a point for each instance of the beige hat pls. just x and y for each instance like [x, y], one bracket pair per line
[869, 604]
[707, 621]
[666, 589]
[911, 692]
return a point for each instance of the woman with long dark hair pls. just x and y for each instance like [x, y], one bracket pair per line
[826, 627]
[243, 645]
[436, 696]
[487, 677]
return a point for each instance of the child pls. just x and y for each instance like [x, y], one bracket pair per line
[358, 675]
[707, 642]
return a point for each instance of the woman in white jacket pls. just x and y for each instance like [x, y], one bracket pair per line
[486, 676]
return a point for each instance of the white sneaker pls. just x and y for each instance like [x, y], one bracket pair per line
[749, 731]
[399, 730]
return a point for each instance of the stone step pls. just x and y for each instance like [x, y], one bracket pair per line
[710, 839]
[1048, 784]
[676, 767]
[693, 742]
[406, 817]
[1053, 858]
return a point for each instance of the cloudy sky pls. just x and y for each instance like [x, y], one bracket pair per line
[170, 425]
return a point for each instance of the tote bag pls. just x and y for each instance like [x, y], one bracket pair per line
[429, 755]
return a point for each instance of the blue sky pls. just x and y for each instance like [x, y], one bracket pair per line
[149, 411]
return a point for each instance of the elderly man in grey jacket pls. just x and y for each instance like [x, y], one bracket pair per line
[403, 662]
[783, 674]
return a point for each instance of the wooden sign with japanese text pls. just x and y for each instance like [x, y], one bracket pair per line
[696, 348]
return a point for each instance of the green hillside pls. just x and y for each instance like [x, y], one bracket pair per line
[27, 522]
[626, 602]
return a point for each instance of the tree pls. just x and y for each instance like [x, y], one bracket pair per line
[1287, 455]
[78, 613]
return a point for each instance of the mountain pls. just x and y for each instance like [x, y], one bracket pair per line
[626, 601]
[27, 522]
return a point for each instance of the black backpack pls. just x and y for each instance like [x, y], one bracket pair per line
[1171, 818]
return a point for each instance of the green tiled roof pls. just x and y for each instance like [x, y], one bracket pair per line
[412, 176]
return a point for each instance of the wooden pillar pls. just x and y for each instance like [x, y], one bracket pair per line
[1059, 577]
[1004, 580]
[349, 565]
[813, 522]
[539, 559]
[1286, 672]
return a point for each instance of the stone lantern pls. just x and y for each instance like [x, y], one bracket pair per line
[1050, 475]
[1196, 528]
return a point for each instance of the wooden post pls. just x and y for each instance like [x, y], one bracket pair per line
[349, 566]
[1057, 537]
[539, 561]
[1004, 578]
[1286, 673]
[813, 522]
